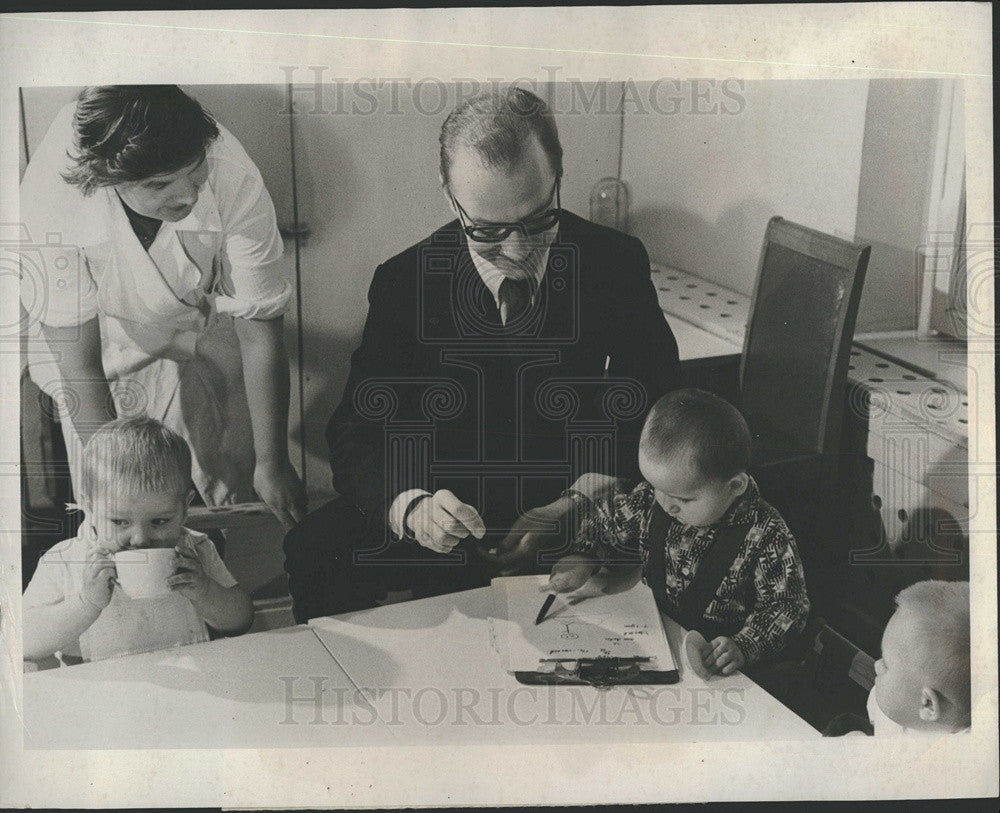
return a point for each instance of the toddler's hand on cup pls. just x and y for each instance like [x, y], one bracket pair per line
[190, 578]
[99, 576]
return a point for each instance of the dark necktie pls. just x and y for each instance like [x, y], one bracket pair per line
[515, 298]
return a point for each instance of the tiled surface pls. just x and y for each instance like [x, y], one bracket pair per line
[694, 342]
[711, 307]
[898, 395]
[945, 359]
[918, 425]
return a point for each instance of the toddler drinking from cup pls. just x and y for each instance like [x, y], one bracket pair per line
[135, 490]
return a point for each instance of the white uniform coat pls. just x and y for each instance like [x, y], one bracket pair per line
[168, 344]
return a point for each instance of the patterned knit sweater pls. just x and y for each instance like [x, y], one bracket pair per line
[764, 593]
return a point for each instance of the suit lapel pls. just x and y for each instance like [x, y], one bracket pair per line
[472, 309]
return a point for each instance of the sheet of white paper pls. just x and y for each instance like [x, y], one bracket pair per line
[623, 625]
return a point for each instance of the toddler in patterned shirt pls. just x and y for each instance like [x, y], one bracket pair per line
[697, 508]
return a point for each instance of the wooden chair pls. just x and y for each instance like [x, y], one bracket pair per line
[793, 378]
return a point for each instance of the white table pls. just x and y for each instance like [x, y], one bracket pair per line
[419, 672]
[428, 668]
[229, 693]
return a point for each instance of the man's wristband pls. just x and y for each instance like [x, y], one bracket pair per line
[407, 533]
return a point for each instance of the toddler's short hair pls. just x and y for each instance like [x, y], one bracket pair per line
[940, 612]
[130, 455]
[703, 425]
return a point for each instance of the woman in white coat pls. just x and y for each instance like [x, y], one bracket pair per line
[152, 285]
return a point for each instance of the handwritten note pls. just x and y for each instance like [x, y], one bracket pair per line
[624, 625]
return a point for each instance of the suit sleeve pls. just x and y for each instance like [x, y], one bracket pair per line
[642, 345]
[376, 388]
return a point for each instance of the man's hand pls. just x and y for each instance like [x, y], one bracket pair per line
[725, 656]
[440, 521]
[582, 577]
[537, 530]
[279, 486]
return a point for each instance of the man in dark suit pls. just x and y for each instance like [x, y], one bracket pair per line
[513, 349]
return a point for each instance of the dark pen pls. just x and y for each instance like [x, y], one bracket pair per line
[545, 608]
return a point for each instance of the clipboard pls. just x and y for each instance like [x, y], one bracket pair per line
[600, 673]
[607, 640]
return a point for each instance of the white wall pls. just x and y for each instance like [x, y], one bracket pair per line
[852, 158]
[896, 169]
[590, 136]
[40, 107]
[705, 184]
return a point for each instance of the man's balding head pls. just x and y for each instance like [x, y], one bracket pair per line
[501, 127]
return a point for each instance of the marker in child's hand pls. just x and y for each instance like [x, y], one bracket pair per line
[546, 606]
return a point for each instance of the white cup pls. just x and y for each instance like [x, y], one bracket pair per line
[143, 572]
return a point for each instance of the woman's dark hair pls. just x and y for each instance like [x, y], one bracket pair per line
[127, 133]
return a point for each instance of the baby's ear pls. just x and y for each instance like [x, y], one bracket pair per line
[930, 705]
[739, 483]
[87, 525]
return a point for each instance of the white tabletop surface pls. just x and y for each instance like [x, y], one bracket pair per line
[694, 342]
[229, 693]
[415, 673]
[429, 669]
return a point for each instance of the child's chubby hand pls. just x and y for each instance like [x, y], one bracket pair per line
[584, 578]
[724, 657]
[99, 576]
[190, 579]
[569, 574]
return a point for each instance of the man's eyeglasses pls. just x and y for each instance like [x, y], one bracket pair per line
[497, 232]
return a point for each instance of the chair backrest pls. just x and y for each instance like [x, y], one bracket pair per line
[835, 658]
[794, 365]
